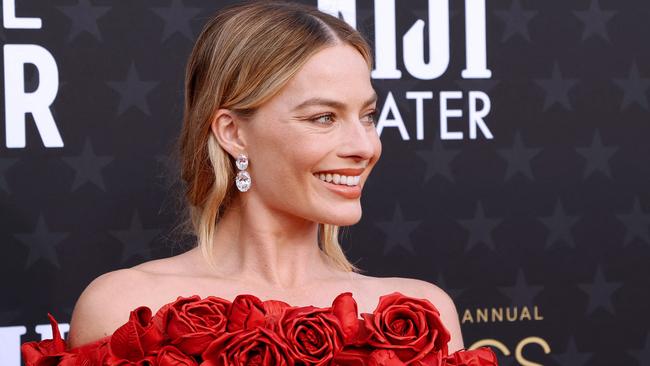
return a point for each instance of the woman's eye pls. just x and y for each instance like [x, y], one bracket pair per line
[325, 119]
[372, 117]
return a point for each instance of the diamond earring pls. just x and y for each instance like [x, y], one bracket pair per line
[243, 179]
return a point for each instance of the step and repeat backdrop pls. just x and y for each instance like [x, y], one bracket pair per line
[515, 171]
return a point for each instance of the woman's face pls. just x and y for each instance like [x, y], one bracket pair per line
[322, 120]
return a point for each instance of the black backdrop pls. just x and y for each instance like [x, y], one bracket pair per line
[539, 227]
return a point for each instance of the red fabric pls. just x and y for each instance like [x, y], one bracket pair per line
[247, 331]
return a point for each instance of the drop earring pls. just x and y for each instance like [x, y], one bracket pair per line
[243, 179]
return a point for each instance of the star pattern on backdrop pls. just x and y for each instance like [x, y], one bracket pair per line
[167, 165]
[177, 19]
[87, 166]
[516, 20]
[133, 91]
[571, 355]
[438, 160]
[557, 89]
[518, 158]
[595, 20]
[637, 223]
[597, 156]
[84, 17]
[600, 292]
[136, 239]
[642, 355]
[634, 88]
[480, 228]
[454, 293]
[41, 243]
[521, 293]
[559, 225]
[5, 165]
[398, 231]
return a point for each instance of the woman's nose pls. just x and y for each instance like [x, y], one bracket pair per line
[358, 139]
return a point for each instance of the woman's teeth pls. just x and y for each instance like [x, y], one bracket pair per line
[339, 179]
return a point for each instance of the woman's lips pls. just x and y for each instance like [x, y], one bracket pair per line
[350, 192]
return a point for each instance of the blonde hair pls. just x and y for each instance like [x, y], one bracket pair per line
[244, 55]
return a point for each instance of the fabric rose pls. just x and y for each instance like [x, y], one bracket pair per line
[344, 307]
[314, 335]
[53, 352]
[214, 332]
[249, 312]
[192, 323]
[95, 353]
[257, 346]
[384, 357]
[136, 341]
[411, 327]
[482, 356]
[365, 356]
[172, 356]
[48, 352]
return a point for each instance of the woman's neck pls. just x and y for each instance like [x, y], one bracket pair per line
[264, 248]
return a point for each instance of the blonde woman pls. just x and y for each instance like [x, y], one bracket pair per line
[277, 143]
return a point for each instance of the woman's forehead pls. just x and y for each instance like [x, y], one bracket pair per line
[331, 73]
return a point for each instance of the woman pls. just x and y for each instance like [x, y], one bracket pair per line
[278, 140]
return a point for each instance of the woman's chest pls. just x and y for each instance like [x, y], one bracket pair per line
[366, 296]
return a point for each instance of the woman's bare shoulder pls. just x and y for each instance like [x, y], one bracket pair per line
[105, 304]
[408, 286]
[102, 306]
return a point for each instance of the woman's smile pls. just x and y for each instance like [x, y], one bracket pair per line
[346, 186]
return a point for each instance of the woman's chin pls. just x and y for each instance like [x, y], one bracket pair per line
[343, 219]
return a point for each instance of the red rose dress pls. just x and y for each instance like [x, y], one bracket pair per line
[192, 331]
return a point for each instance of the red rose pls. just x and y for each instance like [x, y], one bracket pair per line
[367, 356]
[345, 309]
[249, 312]
[248, 347]
[94, 353]
[113, 361]
[483, 356]
[172, 356]
[192, 323]
[52, 352]
[384, 357]
[34, 351]
[411, 327]
[135, 340]
[313, 334]
[59, 359]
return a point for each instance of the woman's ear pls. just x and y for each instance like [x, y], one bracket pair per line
[226, 128]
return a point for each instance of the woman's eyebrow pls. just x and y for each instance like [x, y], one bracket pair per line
[331, 103]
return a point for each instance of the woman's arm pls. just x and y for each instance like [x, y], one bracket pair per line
[100, 308]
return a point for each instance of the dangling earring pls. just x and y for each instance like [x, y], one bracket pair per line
[243, 179]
